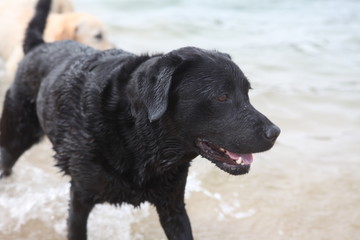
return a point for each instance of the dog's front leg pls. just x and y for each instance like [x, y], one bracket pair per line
[175, 221]
[80, 207]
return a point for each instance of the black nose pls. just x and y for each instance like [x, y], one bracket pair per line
[272, 132]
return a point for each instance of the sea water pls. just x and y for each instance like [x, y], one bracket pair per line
[303, 61]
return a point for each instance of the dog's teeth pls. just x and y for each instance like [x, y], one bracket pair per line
[239, 161]
[221, 149]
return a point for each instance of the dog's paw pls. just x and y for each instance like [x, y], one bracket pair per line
[4, 173]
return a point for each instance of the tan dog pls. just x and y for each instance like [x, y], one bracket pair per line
[80, 27]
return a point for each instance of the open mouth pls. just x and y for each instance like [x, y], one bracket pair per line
[233, 163]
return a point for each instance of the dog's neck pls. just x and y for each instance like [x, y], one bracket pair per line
[166, 153]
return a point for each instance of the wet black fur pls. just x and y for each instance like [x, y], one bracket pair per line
[124, 126]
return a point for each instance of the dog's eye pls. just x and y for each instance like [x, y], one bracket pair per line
[223, 98]
[99, 36]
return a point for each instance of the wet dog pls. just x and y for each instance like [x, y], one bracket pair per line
[126, 127]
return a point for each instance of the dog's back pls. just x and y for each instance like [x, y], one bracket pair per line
[38, 51]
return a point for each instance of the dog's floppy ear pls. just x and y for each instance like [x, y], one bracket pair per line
[151, 86]
[156, 93]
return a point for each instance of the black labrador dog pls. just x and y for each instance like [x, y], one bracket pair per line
[126, 127]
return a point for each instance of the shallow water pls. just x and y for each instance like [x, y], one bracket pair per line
[303, 60]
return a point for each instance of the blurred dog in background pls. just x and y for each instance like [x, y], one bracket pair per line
[62, 24]
[58, 6]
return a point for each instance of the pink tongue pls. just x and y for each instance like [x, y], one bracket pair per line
[245, 158]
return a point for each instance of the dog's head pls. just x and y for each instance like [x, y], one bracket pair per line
[205, 97]
[80, 27]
